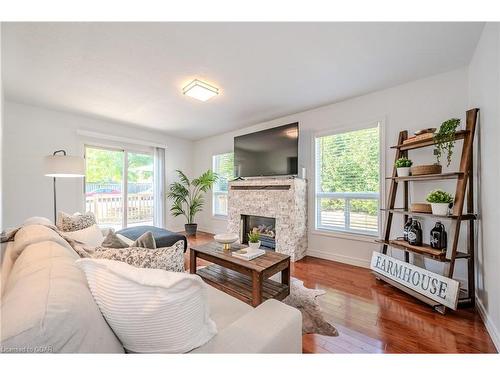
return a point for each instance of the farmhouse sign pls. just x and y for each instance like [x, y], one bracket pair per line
[436, 287]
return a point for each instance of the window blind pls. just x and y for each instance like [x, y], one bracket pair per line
[223, 165]
[347, 181]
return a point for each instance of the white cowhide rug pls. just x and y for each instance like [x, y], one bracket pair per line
[305, 300]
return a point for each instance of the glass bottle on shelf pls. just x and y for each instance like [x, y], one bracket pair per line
[439, 238]
[415, 233]
[406, 228]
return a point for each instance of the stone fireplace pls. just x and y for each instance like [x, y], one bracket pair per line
[276, 207]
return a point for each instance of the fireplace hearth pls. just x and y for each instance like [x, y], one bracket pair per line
[265, 226]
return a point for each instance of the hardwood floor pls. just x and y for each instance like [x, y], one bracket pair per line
[373, 317]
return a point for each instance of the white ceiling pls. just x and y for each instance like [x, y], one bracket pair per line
[134, 72]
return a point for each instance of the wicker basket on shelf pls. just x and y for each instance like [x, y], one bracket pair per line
[425, 208]
[420, 170]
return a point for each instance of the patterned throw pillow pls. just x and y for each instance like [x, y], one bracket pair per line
[146, 240]
[113, 241]
[165, 258]
[70, 223]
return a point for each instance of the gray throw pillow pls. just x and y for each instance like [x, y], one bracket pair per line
[146, 240]
[70, 223]
[113, 241]
[165, 258]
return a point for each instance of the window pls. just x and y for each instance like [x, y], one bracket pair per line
[347, 181]
[116, 201]
[223, 165]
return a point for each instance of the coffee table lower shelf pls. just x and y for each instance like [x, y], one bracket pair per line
[239, 285]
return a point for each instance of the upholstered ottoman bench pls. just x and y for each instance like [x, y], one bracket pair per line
[163, 237]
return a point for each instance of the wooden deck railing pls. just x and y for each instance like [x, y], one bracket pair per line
[108, 208]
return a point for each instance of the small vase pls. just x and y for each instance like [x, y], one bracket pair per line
[254, 245]
[403, 172]
[440, 209]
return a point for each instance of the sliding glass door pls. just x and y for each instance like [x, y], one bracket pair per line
[119, 187]
[140, 198]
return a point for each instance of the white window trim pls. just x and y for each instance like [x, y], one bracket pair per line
[217, 192]
[359, 125]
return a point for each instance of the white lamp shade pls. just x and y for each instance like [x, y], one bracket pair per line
[64, 166]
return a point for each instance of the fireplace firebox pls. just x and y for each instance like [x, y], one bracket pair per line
[265, 226]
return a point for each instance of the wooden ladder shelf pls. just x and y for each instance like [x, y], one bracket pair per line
[464, 189]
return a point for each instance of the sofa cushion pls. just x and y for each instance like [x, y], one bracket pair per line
[91, 236]
[225, 309]
[151, 310]
[47, 306]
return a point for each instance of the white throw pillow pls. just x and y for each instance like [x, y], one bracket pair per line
[150, 310]
[91, 236]
[38, 220]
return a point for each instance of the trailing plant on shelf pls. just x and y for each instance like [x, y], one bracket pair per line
[440, 201]
[445, 139]
[403, 166]
[187, 196]
[254, 239]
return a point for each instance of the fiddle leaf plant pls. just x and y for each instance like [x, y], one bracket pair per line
[187, 195]
[445, 139]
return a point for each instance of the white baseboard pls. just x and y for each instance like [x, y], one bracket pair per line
[488, 323]
[359, 262]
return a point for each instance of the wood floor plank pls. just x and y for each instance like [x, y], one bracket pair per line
[373, 317]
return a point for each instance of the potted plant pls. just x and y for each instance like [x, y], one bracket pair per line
[445, 139]
[254, 240]
[440, 202]
[187, 197]
[403, 166]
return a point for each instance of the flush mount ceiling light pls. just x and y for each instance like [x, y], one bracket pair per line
[200, 90]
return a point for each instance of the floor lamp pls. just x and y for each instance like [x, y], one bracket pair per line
[59, 164]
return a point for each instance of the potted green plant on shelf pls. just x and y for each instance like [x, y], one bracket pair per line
[254, 240]
[440, 202]
[403, 166]
[445, 139]
[187, 197]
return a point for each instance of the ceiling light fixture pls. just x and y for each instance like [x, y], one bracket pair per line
[200, 90]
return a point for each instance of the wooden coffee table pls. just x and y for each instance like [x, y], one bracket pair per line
[247, 280]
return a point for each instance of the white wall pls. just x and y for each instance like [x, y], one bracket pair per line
[30, 133]
[412, 106]
[484, 92]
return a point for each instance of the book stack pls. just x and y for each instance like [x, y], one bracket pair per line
[248, 253]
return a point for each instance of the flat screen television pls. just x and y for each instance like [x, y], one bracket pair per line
[270, 152]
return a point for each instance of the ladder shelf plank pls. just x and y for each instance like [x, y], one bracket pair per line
[402, 211]
[428, 177]
[427, 142]
[425, 250]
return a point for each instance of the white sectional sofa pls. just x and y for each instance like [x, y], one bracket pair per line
[47, 307]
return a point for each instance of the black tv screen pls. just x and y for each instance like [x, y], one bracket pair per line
[270, 152]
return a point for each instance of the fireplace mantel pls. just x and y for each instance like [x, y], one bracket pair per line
[282, 199]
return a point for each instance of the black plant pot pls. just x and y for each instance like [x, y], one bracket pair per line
[191, 229]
